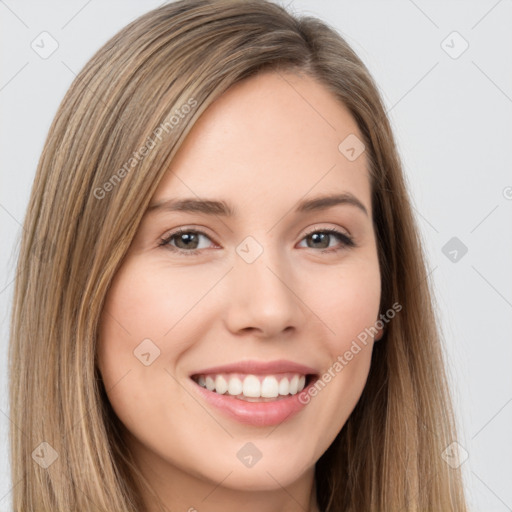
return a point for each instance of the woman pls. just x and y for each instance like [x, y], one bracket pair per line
[222, 299]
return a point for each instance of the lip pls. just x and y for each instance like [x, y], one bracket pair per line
[259, 368]
[257, 413]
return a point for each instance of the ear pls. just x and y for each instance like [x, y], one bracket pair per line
[379, 334]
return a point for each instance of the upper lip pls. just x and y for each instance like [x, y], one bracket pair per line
[259, 368]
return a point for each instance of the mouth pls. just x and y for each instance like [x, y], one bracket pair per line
[256, 393]
[255, 388]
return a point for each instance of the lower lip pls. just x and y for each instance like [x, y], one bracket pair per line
[259, 414]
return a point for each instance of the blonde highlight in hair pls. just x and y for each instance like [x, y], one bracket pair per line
[388, 454]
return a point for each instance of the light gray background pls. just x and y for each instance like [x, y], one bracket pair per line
[452, 118]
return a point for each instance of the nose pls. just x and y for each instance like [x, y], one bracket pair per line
[262, 297]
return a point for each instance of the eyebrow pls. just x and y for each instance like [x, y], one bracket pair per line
[216, 207]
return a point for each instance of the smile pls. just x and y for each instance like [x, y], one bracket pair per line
[248, 386]
[255, 393]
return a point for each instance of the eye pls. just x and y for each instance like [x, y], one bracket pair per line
[187, 241]
[322, 238]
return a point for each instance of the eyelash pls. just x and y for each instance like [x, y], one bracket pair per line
[346, 241]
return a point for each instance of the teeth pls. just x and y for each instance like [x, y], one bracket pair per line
[284, 387]
[210, 384]
[221, 385]
[235, 386]
[294, 384]
[269, 387]
[253, 386]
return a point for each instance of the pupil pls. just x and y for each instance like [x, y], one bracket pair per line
[186, 238]
[316, 236]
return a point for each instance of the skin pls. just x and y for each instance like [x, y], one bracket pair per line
[263, 146]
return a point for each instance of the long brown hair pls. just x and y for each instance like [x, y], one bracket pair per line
[84, 210]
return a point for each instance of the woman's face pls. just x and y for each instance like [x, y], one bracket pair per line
[253, 284]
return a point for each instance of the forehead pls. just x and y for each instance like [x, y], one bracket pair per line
[269, 139]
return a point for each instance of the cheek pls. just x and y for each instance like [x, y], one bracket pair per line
[150, 304]
[149, 317]
[347, 301]
[131, 324]
[131, 356]
[347, 304]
